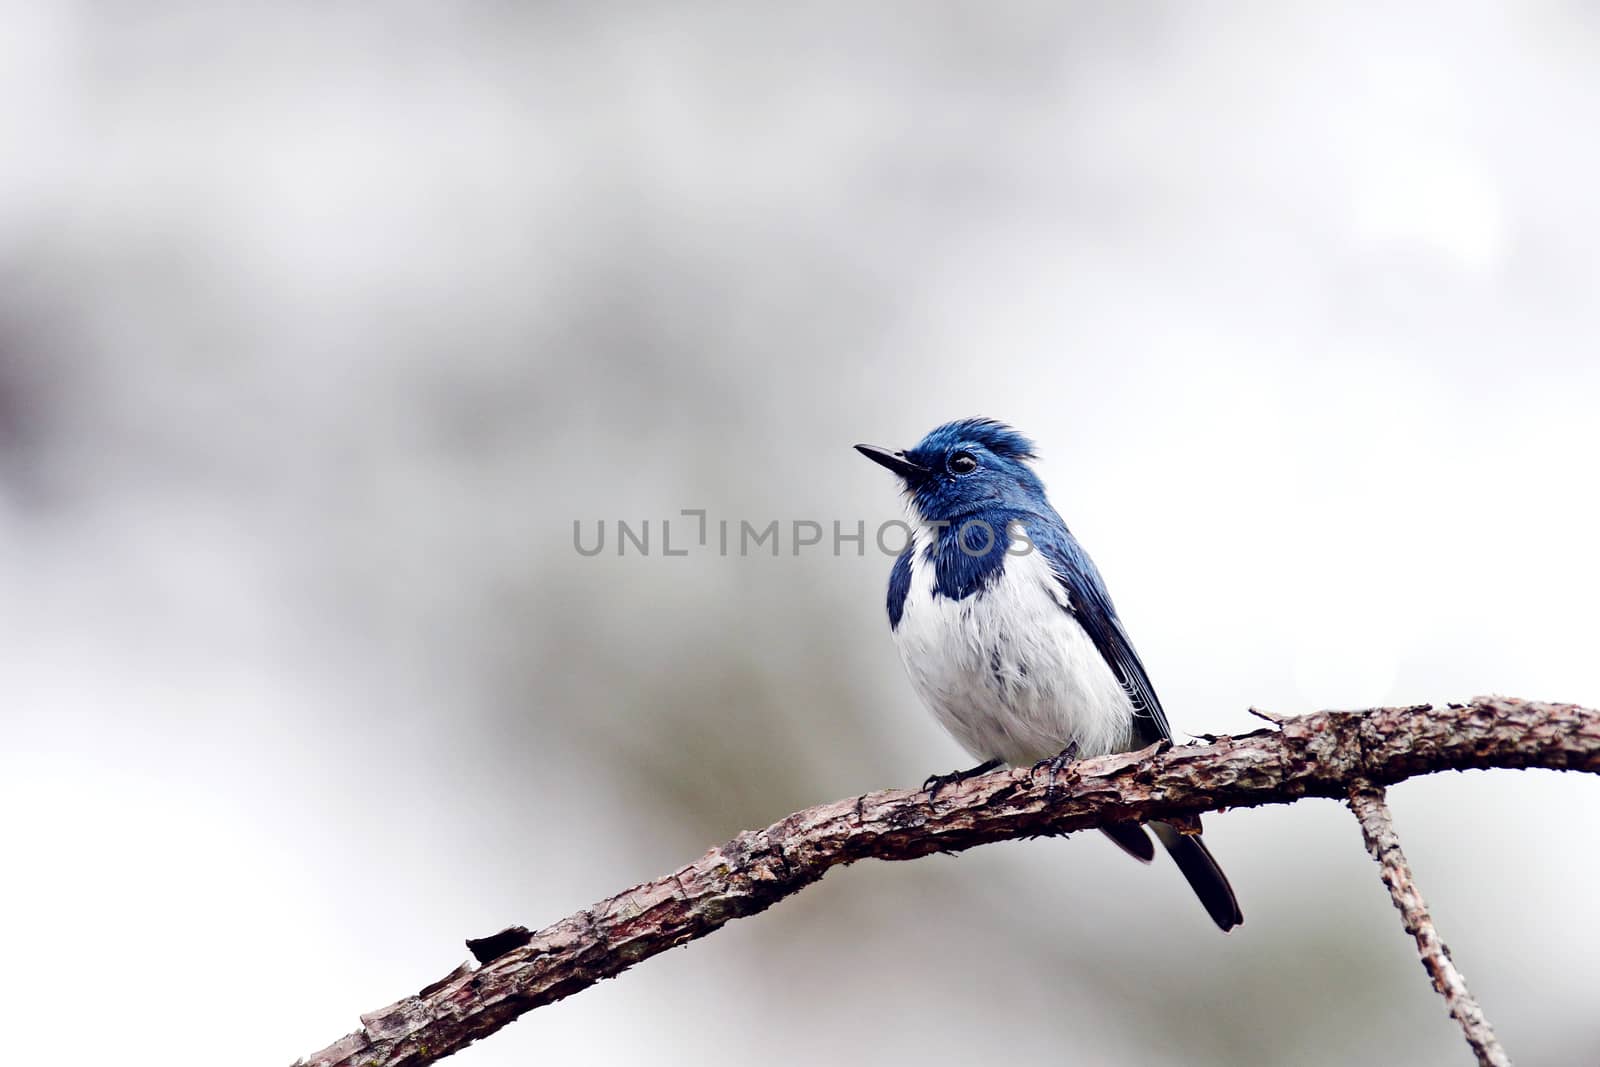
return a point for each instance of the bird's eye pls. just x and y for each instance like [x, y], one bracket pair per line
[962, 463]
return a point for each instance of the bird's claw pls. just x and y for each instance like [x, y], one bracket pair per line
[935, 782]
[1054, 764]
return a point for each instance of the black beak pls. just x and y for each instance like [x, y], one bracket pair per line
[895, 461]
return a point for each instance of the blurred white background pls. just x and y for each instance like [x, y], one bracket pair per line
[319, 327]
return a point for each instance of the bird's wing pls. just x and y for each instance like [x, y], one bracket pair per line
[1090, 604]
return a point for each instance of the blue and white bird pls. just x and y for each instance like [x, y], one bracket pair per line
[1008, 634]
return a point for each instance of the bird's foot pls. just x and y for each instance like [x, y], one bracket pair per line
[936, 782]
[1054, 764]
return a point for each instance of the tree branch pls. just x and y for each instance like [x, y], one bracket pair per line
[1318, 755]
[1377, 830]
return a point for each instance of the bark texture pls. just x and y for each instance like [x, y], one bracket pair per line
[1377, 830]
[1320, 755]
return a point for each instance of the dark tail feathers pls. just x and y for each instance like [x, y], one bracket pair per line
[1131, 838]
[1205, 877]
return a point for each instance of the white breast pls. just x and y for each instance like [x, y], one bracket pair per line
[1010, 673]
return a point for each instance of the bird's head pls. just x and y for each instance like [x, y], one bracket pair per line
[965, 467]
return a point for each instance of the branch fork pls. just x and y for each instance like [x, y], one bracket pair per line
[1344, 755]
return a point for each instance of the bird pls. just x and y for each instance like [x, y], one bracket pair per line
[1009, 636]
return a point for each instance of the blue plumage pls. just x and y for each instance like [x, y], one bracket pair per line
[1006, 628]
[899, 586]
[966, 558]
[990, 434]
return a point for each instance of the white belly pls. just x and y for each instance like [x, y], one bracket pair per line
[1009, 672]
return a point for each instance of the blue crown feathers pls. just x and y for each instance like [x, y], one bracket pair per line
[996, 436]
